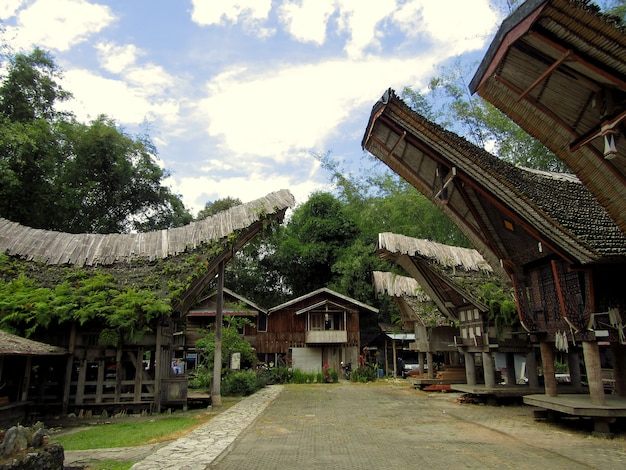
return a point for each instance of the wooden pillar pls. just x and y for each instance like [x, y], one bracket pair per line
[26, 381]
[489, 372]
[80, 386]
[386, 360]
[118, 375]
[431, 365]
[100, 380]
[470, 368]
[573, 363]
[216, 393]
[139, 371]
[547, 362]
[159, 368]
[591, 351]
[511, 378]
[420, 361]
[619, 368]
[395, 357]
[531, 369]
[69, 368]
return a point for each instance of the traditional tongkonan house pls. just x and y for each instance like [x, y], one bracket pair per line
[433, 333]
[558, 69]
[318, 328]
[452, 278]
[564, 255]
[118, 303]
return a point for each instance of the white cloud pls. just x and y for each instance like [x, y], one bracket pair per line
[362, 22]
[116, 59]
[58, 25]
[301, 106]
[250, 13]
[197, 191]
[306, 20]
[462, 25]
[9, 8]
[117, 99]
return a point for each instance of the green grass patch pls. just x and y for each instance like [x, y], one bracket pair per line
[109, 465]
[135, 433]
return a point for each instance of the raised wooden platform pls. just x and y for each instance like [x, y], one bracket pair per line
[580, 405]
[498, 390]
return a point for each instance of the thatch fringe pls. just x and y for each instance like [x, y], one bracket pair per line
[445, 255]
[396, 285]
[57, 248]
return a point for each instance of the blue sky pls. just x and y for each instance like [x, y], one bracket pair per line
[239, 96]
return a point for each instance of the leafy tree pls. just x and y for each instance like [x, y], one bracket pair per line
[232, 342]
[212, 208]
[57, 173]
[312, 242]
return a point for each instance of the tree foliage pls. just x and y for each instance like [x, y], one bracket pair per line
[57, 173]
[212, 208]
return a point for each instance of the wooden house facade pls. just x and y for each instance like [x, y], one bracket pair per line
[110, 367]
[201, 318]
[562, 252]
[318, 328]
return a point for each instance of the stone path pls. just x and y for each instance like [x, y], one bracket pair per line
[200, 447]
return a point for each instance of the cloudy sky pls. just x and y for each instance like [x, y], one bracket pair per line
[239, 96]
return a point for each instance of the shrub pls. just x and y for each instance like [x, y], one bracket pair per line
[239, 383]
[200, 377]
[364, 373]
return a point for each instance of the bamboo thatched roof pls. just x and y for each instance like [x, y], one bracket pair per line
[444, 255]
[58, 248]
[11, 344]
[414, 304]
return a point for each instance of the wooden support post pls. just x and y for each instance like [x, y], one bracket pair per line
[159, 368]
[619, 369]
[489, 371]
[26, 381]
[547, 362]
[573, 363]
[511, 378]
[69, 368]
[139, 371]
[470, 368]
[100, 381]
[216, 393]
[420, 361]
[531, 369]
[395, 358]
[80, 386]
[591, 351]
[431, 365]
[118, 374]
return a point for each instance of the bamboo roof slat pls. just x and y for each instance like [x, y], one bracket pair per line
[92, 249]
[11, 344]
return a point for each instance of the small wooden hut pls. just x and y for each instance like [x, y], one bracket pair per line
[321, 327]
[201, 317]
[128, 296]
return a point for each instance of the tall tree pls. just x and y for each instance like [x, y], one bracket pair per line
[59, 174]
